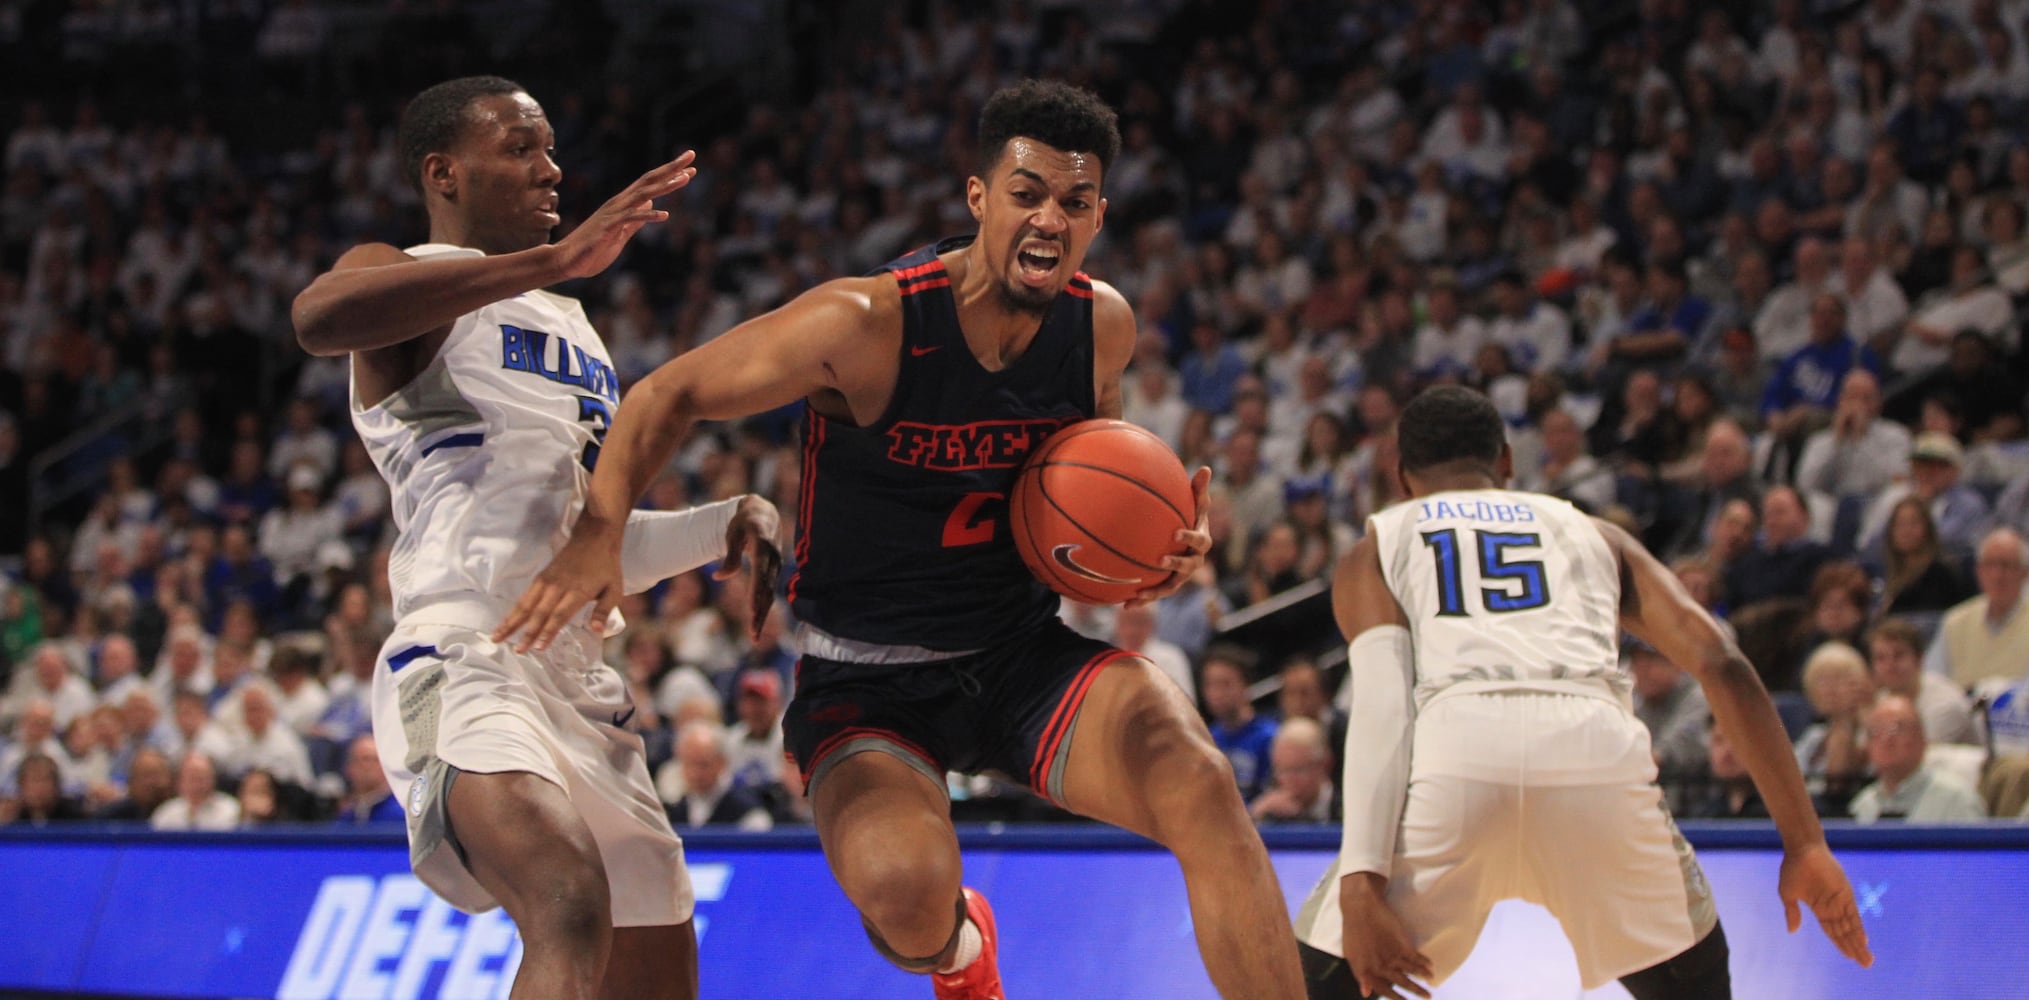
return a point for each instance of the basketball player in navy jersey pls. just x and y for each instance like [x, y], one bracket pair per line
[926, 645]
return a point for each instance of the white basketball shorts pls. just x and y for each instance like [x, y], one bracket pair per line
[1549, 798]
[448, 700]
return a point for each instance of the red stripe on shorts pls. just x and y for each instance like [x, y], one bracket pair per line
[1060, 721]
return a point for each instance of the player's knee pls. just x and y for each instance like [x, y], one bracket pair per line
[906, 900]
[572, 908]
[1195, 790]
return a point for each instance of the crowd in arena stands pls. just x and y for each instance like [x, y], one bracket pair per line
[1747, 279]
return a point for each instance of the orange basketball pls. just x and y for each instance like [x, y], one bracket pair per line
[1096, 509]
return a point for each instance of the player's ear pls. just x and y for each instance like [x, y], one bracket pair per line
[975, 197]
[440, 174]
[1099, 220]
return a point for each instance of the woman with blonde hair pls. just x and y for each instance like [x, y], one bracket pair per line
[1832, 753]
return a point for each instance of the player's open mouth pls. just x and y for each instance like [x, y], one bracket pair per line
[1038, 262]
[548, 210]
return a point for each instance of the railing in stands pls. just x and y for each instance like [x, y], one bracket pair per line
[78, 463]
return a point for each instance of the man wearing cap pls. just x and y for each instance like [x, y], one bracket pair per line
[1935, 460]
[754, 744]
[291, 534]
[1987, 636]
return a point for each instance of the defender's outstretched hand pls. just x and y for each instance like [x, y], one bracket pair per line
[1814, 878]
[585, 570]
[751, 544]
[1196, 541]
[1379, 950]
[596, 242]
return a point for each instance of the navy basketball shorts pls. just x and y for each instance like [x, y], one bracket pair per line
[1010, 709]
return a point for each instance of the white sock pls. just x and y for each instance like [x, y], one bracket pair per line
[968, 949]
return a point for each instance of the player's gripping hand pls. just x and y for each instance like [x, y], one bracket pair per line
[1813, 877]
[1196, 541]
[1378, 948]
[751, 543]
[586, 570]
[596, 242]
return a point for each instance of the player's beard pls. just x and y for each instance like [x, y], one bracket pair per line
[1017, 297]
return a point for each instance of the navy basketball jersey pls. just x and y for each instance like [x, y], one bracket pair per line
[903, 525]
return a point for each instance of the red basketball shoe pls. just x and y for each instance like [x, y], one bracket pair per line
[981, 979]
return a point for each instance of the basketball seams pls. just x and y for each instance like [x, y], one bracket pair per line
[1043, 488]
[1139, 450]
[1182, 521]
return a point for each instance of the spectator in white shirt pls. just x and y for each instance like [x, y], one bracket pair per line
[1860, 453]
[300, 698]
[265, 745]
[291, 534]
[119, 672]
[1968, 303]
[754, 744]
[1895, 656]
[303, 441]
[1784, 323]
[36, 734]
[50, 679]
[709, 797]
[1449, 343]
[1536, 334]
[185, 663]
[198, 804]
[1875, 305]
[192, 729]
[1134, 631]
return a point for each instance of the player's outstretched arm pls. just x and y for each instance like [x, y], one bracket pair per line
[818, 341]
[1657, 608]
[1380, 667]
[362, 303]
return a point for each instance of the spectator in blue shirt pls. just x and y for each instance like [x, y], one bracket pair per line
[1806, 384]
[1209, 372]
[1662, 331]
[1927, 129]
[1244, 737]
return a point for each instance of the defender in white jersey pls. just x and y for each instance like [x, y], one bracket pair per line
[1492, 751]
[483, 400]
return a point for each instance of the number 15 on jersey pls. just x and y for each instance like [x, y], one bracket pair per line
[1517, 584]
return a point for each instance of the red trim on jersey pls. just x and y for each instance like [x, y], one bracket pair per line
[844, 736]
[919, 270]
[927, 285]
[1084, 292]
[807, 490]
[1060, 721]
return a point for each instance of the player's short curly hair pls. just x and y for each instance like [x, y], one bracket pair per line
[434, 119]
[1446, 424]
[1048, 111]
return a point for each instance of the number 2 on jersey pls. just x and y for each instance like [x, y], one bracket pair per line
[1494, 566]
[594, 411]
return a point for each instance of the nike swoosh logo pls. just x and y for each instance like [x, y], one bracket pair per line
[1062, 554]
[620, 718]
[917, 352]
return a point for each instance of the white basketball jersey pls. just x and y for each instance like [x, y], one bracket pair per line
[1502, 586]
[487, 452]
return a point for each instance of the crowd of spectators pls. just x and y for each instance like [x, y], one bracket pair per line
[1747, 279]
